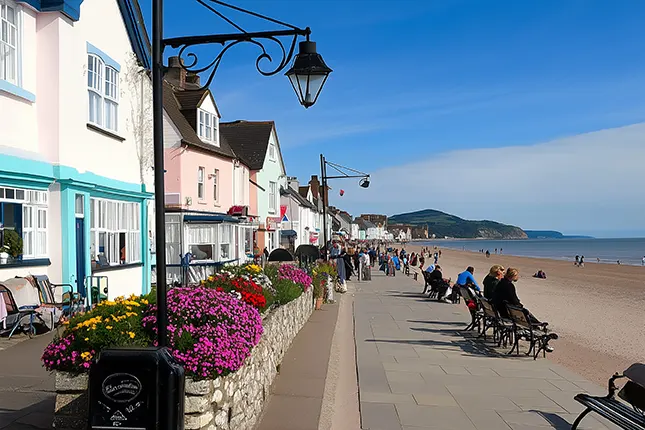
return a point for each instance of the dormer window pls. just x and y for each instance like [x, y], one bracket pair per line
[207, 127]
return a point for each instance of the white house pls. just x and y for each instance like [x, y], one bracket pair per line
[72, 173]
[302, 223]
[256, 144]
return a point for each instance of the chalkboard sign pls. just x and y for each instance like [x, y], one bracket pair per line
[136, 389]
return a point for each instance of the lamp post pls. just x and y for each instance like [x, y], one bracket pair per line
[307, 75]
[363, 183]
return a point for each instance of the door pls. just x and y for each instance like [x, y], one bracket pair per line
[80, 256]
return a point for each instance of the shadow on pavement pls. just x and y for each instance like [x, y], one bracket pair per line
[556, 421]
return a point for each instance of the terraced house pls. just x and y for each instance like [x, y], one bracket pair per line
[72, 176]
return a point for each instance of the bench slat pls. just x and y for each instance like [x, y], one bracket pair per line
[614, 410]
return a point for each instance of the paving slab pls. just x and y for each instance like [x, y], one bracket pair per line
[418, 369]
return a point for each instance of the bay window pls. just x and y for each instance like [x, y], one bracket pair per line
[103, 91]
[214, 242]
[115, 232]
[25, 212]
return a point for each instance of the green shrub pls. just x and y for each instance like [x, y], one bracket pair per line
[271, 270]
[13, 242]
[286, 291]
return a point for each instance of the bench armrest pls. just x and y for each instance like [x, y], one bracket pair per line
[612, 388]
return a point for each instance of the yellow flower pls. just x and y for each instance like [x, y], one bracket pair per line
[87, 356]
[87, 339]
[131, 335]
[109, 327]
[211, 278]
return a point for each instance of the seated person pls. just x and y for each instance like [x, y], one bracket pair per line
[540, 274]
[466, 279]
[438, 283]
[490, 281]
[505, 293]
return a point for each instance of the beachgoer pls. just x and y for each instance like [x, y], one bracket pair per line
[440, 254]
[505, 293]
[430, 268]
[487, 253]
[577, 260]
[466, 278]
[495, 250]
[490, 281]
[422, 261]
[618, 262]
[438, 283]
[436, 258]
[598, 259]
[540, 274]
[500, 251]
[643, 261]
[581, 263]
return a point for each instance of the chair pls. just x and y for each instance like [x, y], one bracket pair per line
[502, 328]
[535, 333]
[70, 302]
[627, 414]
[477, 313]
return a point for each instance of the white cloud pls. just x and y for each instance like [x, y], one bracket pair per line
[589, 182]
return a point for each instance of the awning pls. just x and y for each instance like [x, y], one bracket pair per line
[210, 219]
[288, 233]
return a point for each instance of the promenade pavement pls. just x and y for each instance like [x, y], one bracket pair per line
[417, 369]
[26, 389]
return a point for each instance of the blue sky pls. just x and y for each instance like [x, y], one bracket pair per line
[415, 81]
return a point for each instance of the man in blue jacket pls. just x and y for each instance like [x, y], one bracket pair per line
[466, 279]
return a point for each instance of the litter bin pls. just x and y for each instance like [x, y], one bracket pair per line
[136, 389]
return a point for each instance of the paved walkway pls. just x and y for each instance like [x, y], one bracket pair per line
[417, 370]
[298, 390]
[26, 390]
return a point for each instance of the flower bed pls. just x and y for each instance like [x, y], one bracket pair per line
[215, 331]
[232, 402]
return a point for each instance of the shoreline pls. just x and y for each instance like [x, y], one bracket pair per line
[596, 309]
[431, 243]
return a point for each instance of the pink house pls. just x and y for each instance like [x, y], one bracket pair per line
[210, 200]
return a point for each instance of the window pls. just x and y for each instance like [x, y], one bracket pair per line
[79, 205]
[25, 212]
[272, 196]
[271, 151]
[201, 241]
[9, 41]
[200, 183]
[103, 90]
[215, 190]
[115, 235]
[225, 239]
[207, 127]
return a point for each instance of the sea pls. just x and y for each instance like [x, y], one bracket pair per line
[627, 251]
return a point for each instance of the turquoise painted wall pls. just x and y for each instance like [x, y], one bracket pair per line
[35, 174]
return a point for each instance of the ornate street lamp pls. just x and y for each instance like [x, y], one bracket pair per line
[344, 174]
[307, 75]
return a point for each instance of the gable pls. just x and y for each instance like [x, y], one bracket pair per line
[208, 104]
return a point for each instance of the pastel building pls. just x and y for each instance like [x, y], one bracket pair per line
[211, 204]
[257, 146]
[71, 173]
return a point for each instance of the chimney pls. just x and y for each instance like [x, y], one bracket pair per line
[175, 72]
[293, 183]
[192, 78]
[315, 185]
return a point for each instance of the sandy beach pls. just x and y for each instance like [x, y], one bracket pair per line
[597, 310]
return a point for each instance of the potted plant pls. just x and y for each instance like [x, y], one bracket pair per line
[4, 254]
[325, 273]
[12, 246]
[319, 289]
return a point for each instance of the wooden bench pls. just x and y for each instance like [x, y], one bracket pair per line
[525, 327]
[627, 414]
[502, 328]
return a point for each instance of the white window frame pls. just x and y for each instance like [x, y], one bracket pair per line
[103, 89]
[216, 186]
[272, 151]
[33, 203]
[273, 186]
[225, 239]
[110, 219]
[208, 126]
[201, 172]
[6, 45]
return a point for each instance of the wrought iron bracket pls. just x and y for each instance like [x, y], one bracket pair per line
[189, 59]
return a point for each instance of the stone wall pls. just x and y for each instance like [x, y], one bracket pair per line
[233, 402]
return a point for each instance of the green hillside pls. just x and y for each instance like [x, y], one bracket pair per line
[442, 224]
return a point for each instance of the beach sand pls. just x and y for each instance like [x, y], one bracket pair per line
[598, 310]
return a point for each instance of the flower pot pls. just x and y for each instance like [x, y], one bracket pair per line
[319, 302]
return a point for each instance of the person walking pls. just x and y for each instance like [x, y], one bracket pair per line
[577, 260]
[581, 263]
[436, 258]
[487, 253]
[643, 261]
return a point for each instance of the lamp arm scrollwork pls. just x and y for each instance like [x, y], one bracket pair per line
[189, 59]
